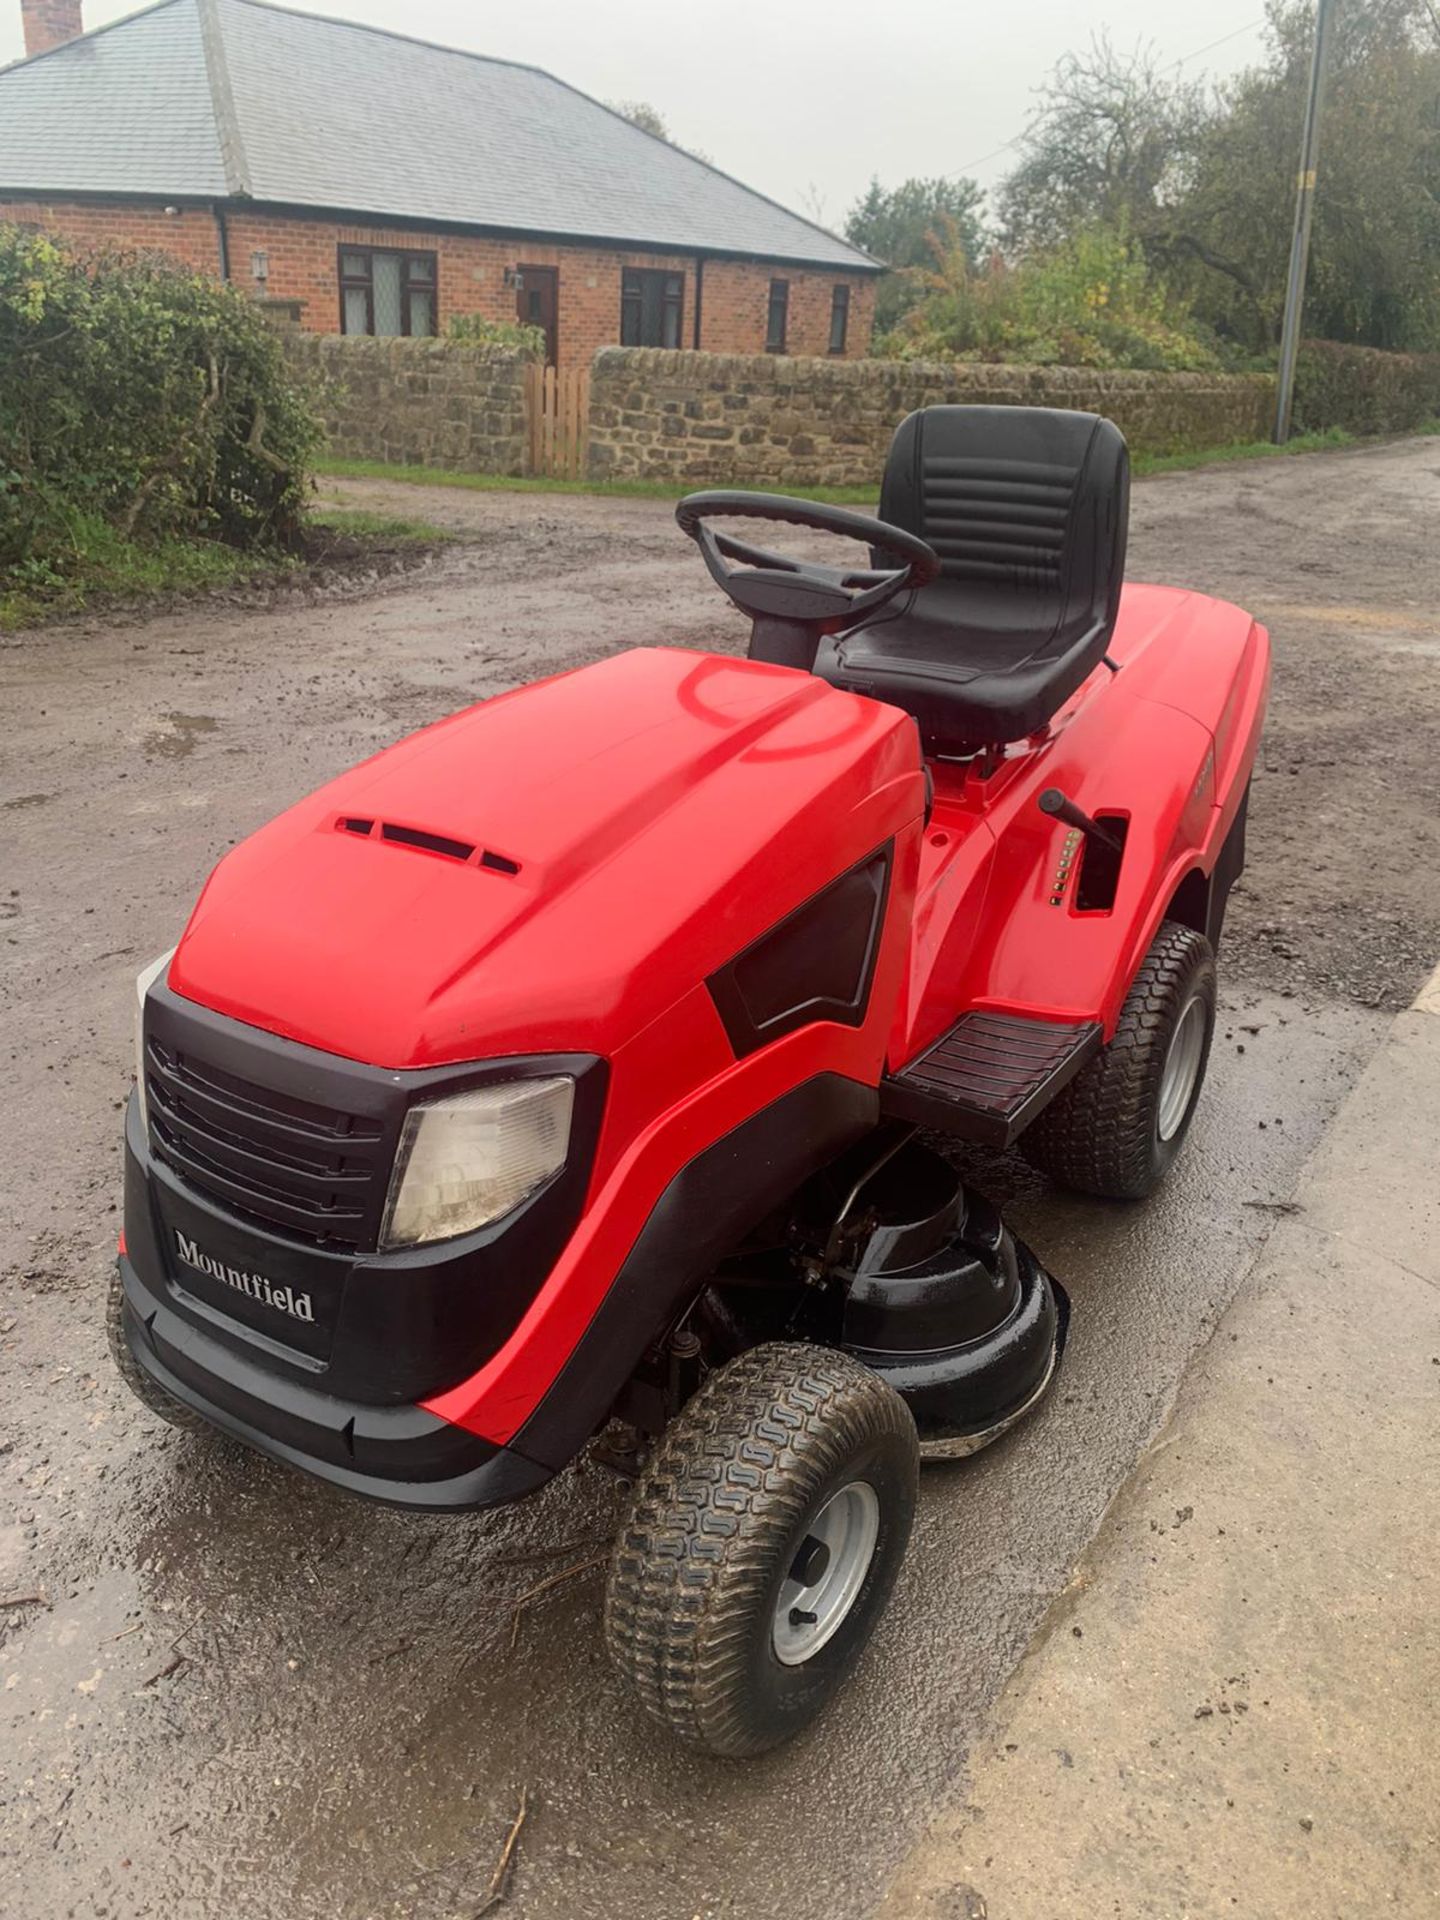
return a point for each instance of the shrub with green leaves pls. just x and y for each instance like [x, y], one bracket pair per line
[1364, 390]
[1091, 301]
[505, 336]
[143, 396]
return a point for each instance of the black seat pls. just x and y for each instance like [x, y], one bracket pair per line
[1028, 509]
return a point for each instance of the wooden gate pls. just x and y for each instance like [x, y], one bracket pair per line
[557, 406]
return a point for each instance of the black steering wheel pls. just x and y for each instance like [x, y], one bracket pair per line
[799, 593]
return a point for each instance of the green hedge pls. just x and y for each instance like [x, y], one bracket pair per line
[143, 397]
[1364, 390]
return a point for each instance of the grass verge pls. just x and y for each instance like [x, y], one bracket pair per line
[1241, 450]
[606, 489]
[387, 528]
[1143, 463]
[98, 563]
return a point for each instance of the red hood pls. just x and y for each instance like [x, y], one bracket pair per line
[660, 809]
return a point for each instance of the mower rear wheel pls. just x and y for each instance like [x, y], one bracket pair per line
[761, 1544]
[1116, 1129]
[149, 1392]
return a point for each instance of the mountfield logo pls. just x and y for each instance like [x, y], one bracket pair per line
[253, 1285]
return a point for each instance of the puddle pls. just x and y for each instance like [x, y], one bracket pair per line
[184, 730]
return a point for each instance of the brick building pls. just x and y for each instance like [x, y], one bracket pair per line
[386, 185]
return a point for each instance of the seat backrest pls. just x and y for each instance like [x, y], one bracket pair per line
[1028, 507]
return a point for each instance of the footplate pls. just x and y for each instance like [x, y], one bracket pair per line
[990, 1075]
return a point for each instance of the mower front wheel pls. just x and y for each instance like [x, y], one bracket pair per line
[761, 1544]
[1117, 1127]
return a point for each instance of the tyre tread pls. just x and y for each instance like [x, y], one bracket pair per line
[1097, 1136]
[726, 1487]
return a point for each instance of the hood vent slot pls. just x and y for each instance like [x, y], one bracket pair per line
[427, 842]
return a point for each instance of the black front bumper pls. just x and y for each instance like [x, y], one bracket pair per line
[254, 1202]
[401, 1455]
[254, 1289]
[331, 1417]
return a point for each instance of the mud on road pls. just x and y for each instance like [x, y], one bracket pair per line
[225, 1691]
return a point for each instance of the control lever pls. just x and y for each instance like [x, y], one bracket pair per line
[1053, 802]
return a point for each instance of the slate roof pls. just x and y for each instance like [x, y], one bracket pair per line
[237, 99]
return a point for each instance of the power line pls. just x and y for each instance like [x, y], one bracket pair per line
[1183, 61]
[1224, 40]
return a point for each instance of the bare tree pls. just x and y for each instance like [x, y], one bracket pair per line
[641, 114]
[815, 202]
[1114, 139]
[649, 119]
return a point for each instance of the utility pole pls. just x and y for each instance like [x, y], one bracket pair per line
[1304, 207]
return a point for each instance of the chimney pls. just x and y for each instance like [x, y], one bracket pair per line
[50, 23]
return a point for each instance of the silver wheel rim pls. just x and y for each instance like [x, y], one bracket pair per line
[1182, 1069]
[827, 1571]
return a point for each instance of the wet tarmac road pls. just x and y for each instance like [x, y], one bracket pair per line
[241, 1694]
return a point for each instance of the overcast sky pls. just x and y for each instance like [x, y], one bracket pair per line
[805, 99]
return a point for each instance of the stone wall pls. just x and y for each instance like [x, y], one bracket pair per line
[761, 421]
[418, 403]
[733, 419]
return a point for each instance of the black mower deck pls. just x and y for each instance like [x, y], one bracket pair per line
[990, 1075]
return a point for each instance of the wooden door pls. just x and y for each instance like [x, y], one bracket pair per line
[537, 304]
[558, 408]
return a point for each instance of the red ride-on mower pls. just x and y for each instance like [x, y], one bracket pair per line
[565, 1064]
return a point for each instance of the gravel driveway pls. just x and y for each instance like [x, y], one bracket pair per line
[226, 1692]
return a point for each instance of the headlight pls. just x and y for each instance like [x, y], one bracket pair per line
[144, 980]
[466, 1160]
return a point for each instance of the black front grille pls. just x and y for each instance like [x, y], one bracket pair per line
[312, 1171]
